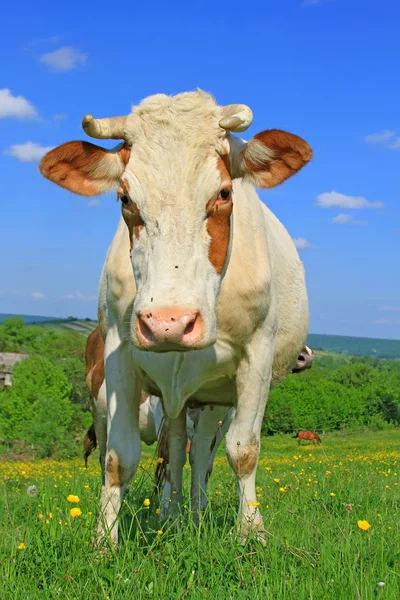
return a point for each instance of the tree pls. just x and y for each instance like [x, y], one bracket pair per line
[32, 378]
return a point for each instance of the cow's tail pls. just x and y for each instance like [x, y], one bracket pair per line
[162, 457]
[318, 438]
[89, 443]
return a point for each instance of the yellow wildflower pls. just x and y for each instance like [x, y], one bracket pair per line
[282, 490]
[73, 499]
[332, 494]
[277, 480]
[160, 460]
[158, 511]
[364, 525]
[146, 502]
[75, 512]
[40, 516]
[21, 546]
[160, 532]
[50, 515]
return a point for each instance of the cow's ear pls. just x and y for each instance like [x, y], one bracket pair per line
[270, 157]
[85, 168]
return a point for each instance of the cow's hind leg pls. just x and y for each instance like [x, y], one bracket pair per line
[177, 439]
[100, 426]
[243, 438]
[123, 436]
[208, 434]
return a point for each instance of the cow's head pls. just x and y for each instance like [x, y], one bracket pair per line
[173, 172]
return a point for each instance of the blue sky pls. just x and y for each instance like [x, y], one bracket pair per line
[326, 70]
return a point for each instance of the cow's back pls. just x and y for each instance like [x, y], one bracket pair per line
[288, 284]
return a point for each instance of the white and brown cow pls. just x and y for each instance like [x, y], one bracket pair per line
[202, 295]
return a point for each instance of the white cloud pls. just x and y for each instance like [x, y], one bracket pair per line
[387, 322]
[336, 200]
[16, 106]
[387, 138]
[342, 219]
[28, 152]
[79, 296]
[64, 59]
[345, 219]
[301, 243]
[37, 295]
[94, 202]
[379, 138]
[388, 308]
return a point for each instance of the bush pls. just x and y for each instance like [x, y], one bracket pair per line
[48, 428]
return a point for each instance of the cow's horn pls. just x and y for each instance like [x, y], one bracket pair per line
[236, 117]
[104, 129]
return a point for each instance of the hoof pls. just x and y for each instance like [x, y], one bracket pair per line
[251, 530]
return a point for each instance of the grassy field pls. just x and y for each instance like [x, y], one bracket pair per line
[312, 499]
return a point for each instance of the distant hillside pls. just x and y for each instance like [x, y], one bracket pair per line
[355, 345]
[82, 326]
[27, 318]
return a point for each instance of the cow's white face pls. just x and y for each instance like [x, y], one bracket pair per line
[174, 179]
[179, 214]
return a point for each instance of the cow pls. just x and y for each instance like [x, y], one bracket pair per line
[304, 360]
[310, 436]
[151, 421]
[202, 298]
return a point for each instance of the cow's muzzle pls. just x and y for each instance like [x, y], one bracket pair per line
[169, 329]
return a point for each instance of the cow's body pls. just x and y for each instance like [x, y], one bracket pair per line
[271, 327]
[216, 310]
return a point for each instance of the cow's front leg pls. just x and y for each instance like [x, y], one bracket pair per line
[243, 438]
[209, 432]
[123, 435]
[177, 439]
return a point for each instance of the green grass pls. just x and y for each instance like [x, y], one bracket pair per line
[315, 549]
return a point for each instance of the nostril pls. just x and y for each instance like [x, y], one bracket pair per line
[145, 330]
[190, 326]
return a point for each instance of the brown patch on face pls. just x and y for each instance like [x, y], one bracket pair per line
[143, 397]
[82, 167]
[94, 358]
[219, 222]
[288, 154]
[245, 461]
[130, 212]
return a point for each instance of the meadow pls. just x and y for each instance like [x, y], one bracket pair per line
[331, 514]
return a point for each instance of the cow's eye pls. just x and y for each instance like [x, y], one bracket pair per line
[125, 200]
[224, 195]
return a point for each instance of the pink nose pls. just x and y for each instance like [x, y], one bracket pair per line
[169, 328]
